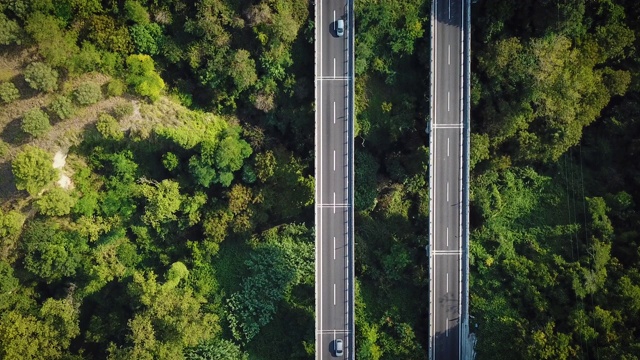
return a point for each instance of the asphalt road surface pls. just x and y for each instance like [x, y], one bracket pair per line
[446, 182]
[333, 307]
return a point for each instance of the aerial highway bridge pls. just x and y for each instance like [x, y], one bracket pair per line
[448, 130]
[334, 31]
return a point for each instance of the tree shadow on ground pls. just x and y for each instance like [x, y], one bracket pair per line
[8, 189]
[13, 134]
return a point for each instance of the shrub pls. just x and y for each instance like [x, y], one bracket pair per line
[123, 110]
[56, 202]
[35, 122]
[62, 107]
[108, 126]
[86, 60]
[4, 149]
[8, 92]
[88, 93]
[116, 87]
[41, 76]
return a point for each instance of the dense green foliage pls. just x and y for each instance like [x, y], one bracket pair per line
[553, 207]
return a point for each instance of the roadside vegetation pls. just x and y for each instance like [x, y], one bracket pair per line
[156, 179]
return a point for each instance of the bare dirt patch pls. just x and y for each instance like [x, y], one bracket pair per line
[59, 160]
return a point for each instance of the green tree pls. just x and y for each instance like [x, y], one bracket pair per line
[63, 107]
[87, 93]
[163, 201]
[10, 223]
[109, 35]
[56, 202]
[25, 336]
[170, 161]
[283, 260]
[54, 43]
[10, 32]
[116, 87]
[479, 149]
[88, 59]
[33, 169]
[109, 128]
[8, 92]
[255, 304]
[243, 70]
[146, 38]
[168, 319]
[219, 349]
[366, 168]
[35, 122]
[41, 76]
[136, 12]
[143, 77]
[50, 252]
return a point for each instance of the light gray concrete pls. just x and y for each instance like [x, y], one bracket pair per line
[333, 167]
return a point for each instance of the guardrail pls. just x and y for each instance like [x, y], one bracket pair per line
[431, 161]
[467, 352]
[352, 78]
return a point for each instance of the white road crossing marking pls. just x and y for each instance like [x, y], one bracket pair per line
[331, 331]
[333, 78]
[446, 126]
[446, 252]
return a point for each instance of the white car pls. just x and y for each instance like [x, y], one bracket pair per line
[338, 347]
[340, 27]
